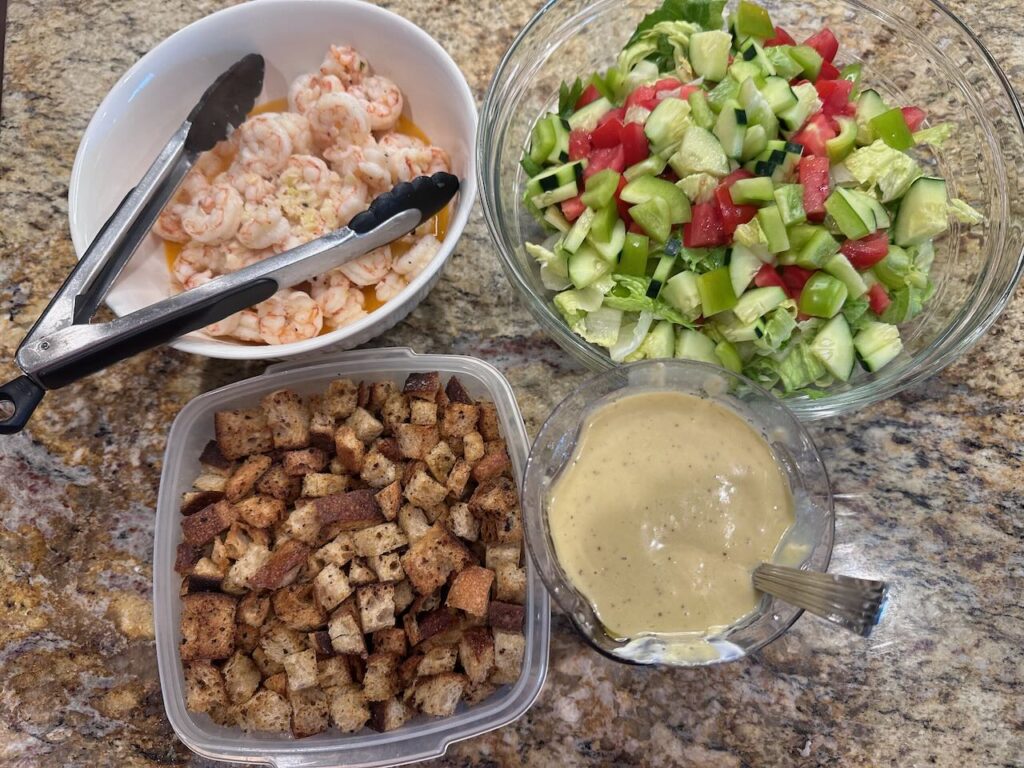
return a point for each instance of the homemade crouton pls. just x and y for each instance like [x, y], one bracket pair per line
[349, 711]
[243, 481]
[279, 567]
[302, 462]
[207, 626]
[459, 420]
[260, 511]
[471, 590]
[253, 609]
[360, 572]
[430, 560]
[278, 683]
[196, 501]
[316, 484]
[388, 715]
[423, 412]
[390, 640]
[457, 393]
[509, 648]
[278, 640]
[378, 539]
[510, 583]
[395, 410]
[212, 459]
[242, 433]
[331, 586]
[278, 484]
[241, 678]
[505, 527]
[350, 511]
[416, 441]
[423, 386]
[438, 660]
[332, 672]
[267, 711]
[321, 431]
[301, 669]
[389, 499]
[303, 523]
[338, 551]
[439, 695]
[378, 471]
[239, 576]
[288, 419]
[404, 595]
[310, 709]
[297, 608]
[376, 606]
[388, 567]
[440, 461]
[492, 465]
[463, 523]
[202, 527]
[349, 447]
[494, 496]
[366, 427]
[380, 681]
[476, 653]
[501, 553]
[187, 555]
[488, 424]
[413, 521]
[211, 483]
[340, 399]
[506, 616]
[204, 687]
[320, 642]
[473, 447]
[346, 634]
[423, 491]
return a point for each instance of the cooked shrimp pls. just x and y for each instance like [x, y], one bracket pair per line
[370, 268]
[213, 161]
[236, 256]
[390, 286]
[307, 173]
[263, 225]
[289, 316]
[299, 130]
[306, 90]
[341, 302]
[251, 186]
[395, 140]
[344, 63]
[243, 326]
[381, 99]
[338, 119]
[168, 223]
[214, 218]
[347, 201]
[368, 163]
[197, 264]
[413, 261]
[407, 164]
[265, 142]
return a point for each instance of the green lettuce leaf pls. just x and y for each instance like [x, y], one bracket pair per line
[880, 165]
[600, 327]
[630, 295]
[935, 135]
[706, 14]
[568, 95]
[702, 260]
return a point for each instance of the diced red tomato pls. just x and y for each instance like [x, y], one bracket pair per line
[867, 251]
[667, 84]
[796, 277]
[704, 230]
[767, 277]
[590, 94]
[814, 178]
[878, 299]
[828, 71]
[636, 229]
[642, 96]
[782, 37]
[613, 114]
[634, 143]
[825, 43]
[572, 208]
[732, 178]
[614, 158]
[913, 117]
[579, 145]
[834, 95]
[732, 215]
[816, 131]
[621, 204]
[609, 134]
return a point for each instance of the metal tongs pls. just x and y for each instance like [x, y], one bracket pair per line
[63, 346]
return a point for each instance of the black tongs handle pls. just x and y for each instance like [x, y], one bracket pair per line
[18, 399]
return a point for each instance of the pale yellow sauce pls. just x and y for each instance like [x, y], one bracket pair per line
[669, 503]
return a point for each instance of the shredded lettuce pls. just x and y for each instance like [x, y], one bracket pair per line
[935, 135]
[880, 165]
[856, 312]
[600, 327]
[574, 304]
[632, 57]
[702, 260]
[779, 325]
[963, 213]
[706, 14]
[630, 295]
[631, 335]
[554, 267]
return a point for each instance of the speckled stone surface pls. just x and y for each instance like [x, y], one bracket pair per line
[929, 491]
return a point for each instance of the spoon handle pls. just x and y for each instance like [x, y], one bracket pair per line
[856, 604]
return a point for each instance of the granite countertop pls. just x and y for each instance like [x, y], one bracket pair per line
[928, 492]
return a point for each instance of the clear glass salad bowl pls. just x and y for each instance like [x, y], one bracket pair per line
[807, 544]
[915, 52]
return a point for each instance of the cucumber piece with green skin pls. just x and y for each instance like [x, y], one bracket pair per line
[844, 142]
[882, 220]
[653, 218]
[840, 267]
[611, 246]
[681, 292]
[779, 95]
[833, 346]
[729, 327]
[869, 106]
[698, 187]
[810, 60]
[700, 152]
[800, 234]
[653, 166]
[781, 58]
[580, 229]
[743, 265]
[731, 129]
[728, 357]
[923, 212]
[661, 272]
[759, 112]
[666, 124]
[894, 269]
[790, 200]
[799, 368]
[603, 223]
[560, 152]
[756, 190]
[721, 93]
[754, 142]
[586, 265]
[600, 188]
[647, 187]
[773, 227]
[752, 51]
[694, 345]
[585, 119]
[741, 71]
[659, 344]
[817, 250]
[552, 179]
[877, 344]
[807, 103]
[700, 110]
[709, 54]
[716, 293]
[852, 211]
[757, 303]
[557, 195]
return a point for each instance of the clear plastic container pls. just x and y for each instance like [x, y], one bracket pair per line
[420, 739]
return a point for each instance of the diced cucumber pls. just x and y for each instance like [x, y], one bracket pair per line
[881, 215]
[750, 235]
[660, 343]
[778, 94]
[700, 152]
[833, 346]
[600, 188]
[667, 124]
[727, 89]
[758, 302]
[754, 142]
[752, 51]
[810, 60]
[840, 267]
[743, 265]
[852, 212]
[653, 218]
[580, 229]
[807, 103]
[731, 129]
[728, 357]
[773, 227]
[661, 274]
[790, 200]
[553, 216]
[923, 212]
[700, 111]
[698, 187]
[716, 293]
[560, 152]
[681, 292]
[799, 368]
[586, 265]
[817, 250]
[729, 327]
[647, 187]
[758, 110]
[741, 71]
[694, 345]
[869, 106]
[756, 190]
[781, 58]
[557, 195]
[555, 185]
[585, 119]
[800, 234]
[877, 344]
[652, 166]
[894, 269]
[709, 54]
[611, 246]
[844, 142]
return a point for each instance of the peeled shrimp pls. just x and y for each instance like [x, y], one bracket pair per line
[265, 142]
[168, 223]
[236, 256]
[381, 99]
[368, 163]
[346, 201]
[390, 286]
[340, 301]
[197, 264]
[214, 217]
[243, 326]
[346, 64]
[306, 90]
[263, 225]
[395, 140]
[289, 316]
[407, 164]
[308, 175]
[251, 186]
[413, 261]
[213, 161]
[338, 119]
[370, 268]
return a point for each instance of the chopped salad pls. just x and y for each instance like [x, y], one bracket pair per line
[734, 197]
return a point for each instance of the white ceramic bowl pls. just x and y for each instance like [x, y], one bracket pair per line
[144, 108]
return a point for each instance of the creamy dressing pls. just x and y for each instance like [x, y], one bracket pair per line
[668, 504]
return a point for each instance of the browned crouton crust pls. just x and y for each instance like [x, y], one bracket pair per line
[253, 609]
[277, 483]
[459, 420]
[349, 448]
[204, 687]
[186, 556]
[340, 399]
[286, 557]
[213, 458]
[350, 511]
[389, 499]
[242, 433]
[196, 501]
[471, 590]
[380, 681]
[304, 461]
[243, 481]
[439, 695]
[476, 653]
[492, 465]
[260, 511]
[423, 386]
[415, 441]
[457, 393]
[297, 609]
[321, 431]
[425, 492]
[310, 709]
[488, 425]
[318, 484]
[365, 425]
[506, 616]
[494, 496]
[288, 419]
[429, 561]
[388, 715]
[390, 640]
[207, 626]
[201, 528]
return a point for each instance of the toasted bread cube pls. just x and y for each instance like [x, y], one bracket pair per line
[316, 484]
[204, 687]
[423, 386]
[349, 711]
[202, 527]
[321, 431]
[459, 419]
[277, 682]
[378, 539]
[376, 606]
[423, 491]
[240, 575]
[211, 483]
[423, 412]
[260, 511]
[395, 410]
[303, 462]
[437, 625]
[510, 583]
[346, 634]
[213, 461]
[408, 672]
[253, 609]
[297, 608]
[496, 554]
[242, 433]
[309, 711]
[331, 586]
[413, 521]
[494, 464]
[456, 392]
[506, 616]
[388, 448]
[278, 484]
[389, 499]
[320, 642]
[303, 523]
[338, 551]
[404, 595]
[350, 449]
[267, 665]
[333, 671]
[390, 640]
[494, 496]
[277, 640]
[463, 523]
[207, 570]
[243, 481]
[477, 692]
[241, 678]
[439, 695]
[301, 669]
[196, 501]
[240, 537]
[380, 681]
[388, 715]
[186, 556]
[378, 471]
[416, 441]
[471, 590]
[437, 512]
[350, 511]
[360, 573]
[267, 711]
[440, 461]
[366, 427]
[438, 660]
[207, 626]
[430, 560]
[504, 527]
[488, 424]
[282, 566]
[380, 391]
[288, 418]
[476, 653]
[388, 567]
[509, 648]
[340, 399]
[473, 447]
